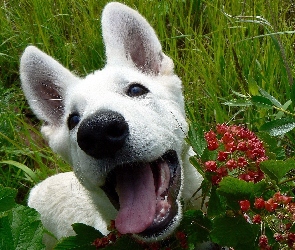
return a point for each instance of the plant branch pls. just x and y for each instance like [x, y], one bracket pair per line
[285, 181]
[285, 111]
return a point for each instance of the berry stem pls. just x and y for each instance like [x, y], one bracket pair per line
[283, 110]
[285, 181]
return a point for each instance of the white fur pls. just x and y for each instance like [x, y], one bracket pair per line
[156, 123]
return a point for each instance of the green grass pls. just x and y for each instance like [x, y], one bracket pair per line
[218, 47]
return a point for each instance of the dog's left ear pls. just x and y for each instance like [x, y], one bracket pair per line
[44, 82]
[130, 40]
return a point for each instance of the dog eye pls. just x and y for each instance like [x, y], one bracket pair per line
[136, 90]
[73, 120]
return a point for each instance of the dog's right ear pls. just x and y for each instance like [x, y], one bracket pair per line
[44, 82]
[131, 41]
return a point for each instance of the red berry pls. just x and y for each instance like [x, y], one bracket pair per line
[180, 235]
[221, 128]
[263, 241]
[282, 198]
[291, 236]
[245, 177]
[261, 159]
[256, 219]
[277, 196]
[222, 156]
[230, 146]
[210, 136]
[259, 203]
[270, 205]
[154, 246]
[288, 226]
[242, 146]
[101, 243]
[259, 175]
[222, 171]
[244, 205]
[278, 237]
[210, 166]
[112, 237]
[215, 179]
[242, 162]
[231, 164]
[251, 155]
[227, 138]
[287, 199]
[291, 208]
[212, 145]
[244, 133]
[235, 129]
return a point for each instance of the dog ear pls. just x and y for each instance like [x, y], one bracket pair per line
[44, 82]
[130, 40]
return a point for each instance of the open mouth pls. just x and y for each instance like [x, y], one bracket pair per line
[145, 195]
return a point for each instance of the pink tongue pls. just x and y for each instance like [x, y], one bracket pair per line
[137, 198]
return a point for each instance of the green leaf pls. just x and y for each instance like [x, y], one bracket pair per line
[273, 100]
[292, 229]
[239, 94]
[196, 164]
[209, 155]
[272, 146]
[6, 237]
[262, 102]
[235, 190]
[85, 237]
[215, 205]
[293, 93]
[32, 176]
[21, 229]
[234, 232]
[280, 114]
[238, 103]
[253, 88]
[7, 198]
[270, 233]
[279, 126]
[275, 169]
[206, 188]
[196, 138]
[196, 226]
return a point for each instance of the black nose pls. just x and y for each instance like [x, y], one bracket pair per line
[102, 134]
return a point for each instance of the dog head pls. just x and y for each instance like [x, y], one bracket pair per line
[121, 128]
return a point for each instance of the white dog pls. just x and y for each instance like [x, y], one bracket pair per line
[122, 129]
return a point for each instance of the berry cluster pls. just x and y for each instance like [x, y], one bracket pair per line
[239, 152]
[280, 210]
[109, 239]
[105, 241]
[180, 243]
[182, 238]
[263, 242]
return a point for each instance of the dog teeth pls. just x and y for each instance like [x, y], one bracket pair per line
[165, 198]
[164, 178]
[163, 207]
